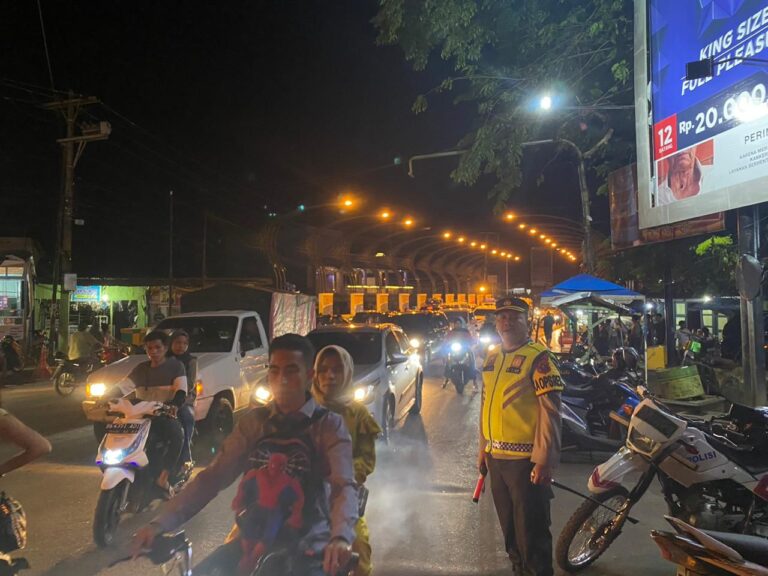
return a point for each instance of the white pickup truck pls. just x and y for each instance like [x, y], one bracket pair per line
[230, 349]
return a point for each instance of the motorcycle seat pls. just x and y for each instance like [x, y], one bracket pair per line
[585, 391]
[752, 548]
[753, 461]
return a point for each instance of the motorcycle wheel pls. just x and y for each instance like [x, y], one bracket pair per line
[459, 380]
[589, 531]
[65, 384]
[106, 519]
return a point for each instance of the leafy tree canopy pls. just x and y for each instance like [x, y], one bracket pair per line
[507, 53]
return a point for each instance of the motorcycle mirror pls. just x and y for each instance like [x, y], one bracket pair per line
[749, 274]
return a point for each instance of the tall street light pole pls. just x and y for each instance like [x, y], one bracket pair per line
[586, 219]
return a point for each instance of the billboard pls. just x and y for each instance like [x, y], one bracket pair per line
[702, 145]
[625, 230]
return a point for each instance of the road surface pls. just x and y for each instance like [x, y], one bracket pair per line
[420, 512]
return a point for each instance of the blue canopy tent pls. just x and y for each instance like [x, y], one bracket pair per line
[586, 285]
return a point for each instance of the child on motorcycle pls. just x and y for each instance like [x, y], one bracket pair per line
[179, 349]
[332, 388]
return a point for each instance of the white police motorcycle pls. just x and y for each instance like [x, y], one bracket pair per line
[713, 475]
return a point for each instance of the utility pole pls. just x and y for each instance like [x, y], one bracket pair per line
[751, 310]
[586, 219]
[70, 110]
[205, 247]
[170, 253]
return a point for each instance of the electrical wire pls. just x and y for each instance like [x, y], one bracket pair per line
[45, 45]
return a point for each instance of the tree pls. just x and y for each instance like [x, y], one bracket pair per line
[506, 52]
[699, 267]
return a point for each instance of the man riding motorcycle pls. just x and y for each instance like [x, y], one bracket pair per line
[292, 438]
[463, 336]
[160, 379]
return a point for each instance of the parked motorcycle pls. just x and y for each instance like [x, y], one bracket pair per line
[706, 553]
[596, 418]
[70, 374]
[128, 485]
[174, 553]
[595, 409]
[713, 474]
[459, 365]
[14, 356]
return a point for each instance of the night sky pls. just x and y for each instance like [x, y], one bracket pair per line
[233, 105]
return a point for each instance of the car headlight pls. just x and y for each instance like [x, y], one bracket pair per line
[415, 342]
[113, 457]
[641, 442]
[363, 394]
[485, 339]
[96, 390]
[456, 347]
[262, 394]
[492, 347]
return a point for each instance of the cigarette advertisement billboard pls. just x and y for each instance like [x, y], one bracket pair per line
[702, 143]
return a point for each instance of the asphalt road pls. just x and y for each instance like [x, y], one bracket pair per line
[420, 512]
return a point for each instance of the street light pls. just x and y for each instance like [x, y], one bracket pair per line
[447, 235]
[408, 222]
[545, 102]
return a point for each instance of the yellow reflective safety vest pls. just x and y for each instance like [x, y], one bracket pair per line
[510, 407]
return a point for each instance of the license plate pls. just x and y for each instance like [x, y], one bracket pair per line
[126, 428]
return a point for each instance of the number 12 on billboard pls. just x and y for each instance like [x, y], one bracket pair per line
[665, 136]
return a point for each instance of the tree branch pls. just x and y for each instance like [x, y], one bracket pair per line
[602, 142]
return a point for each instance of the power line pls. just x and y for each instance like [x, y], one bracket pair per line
[45, 45]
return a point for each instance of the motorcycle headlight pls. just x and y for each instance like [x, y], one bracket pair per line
[415, 342]
[262, 394]
[113, 457]
[363, 394]
[641, 442]
[456, 347]
[485, 339]
[95, 390]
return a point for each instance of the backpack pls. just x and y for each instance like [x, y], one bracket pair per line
[13, 524]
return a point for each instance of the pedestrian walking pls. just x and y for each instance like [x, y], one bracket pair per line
[549, 323]
[520, 437]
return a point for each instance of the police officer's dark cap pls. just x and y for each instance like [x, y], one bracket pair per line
[510, 303]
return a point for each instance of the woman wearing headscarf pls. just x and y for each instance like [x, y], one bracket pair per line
[179, 349]
[332, 387]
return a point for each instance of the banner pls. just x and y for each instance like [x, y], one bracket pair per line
[462, 298]
[450, 298]
[356, 303]
[707, 150]
[325, 303]
[404, 302]
[86, 294]
[421, 299]
[625, 229]
[473, 299]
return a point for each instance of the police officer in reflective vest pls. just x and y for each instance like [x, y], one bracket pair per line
[520, 437]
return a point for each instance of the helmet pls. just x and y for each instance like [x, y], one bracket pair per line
[625, 358]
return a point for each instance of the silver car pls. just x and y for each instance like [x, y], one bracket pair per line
[388, 377]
